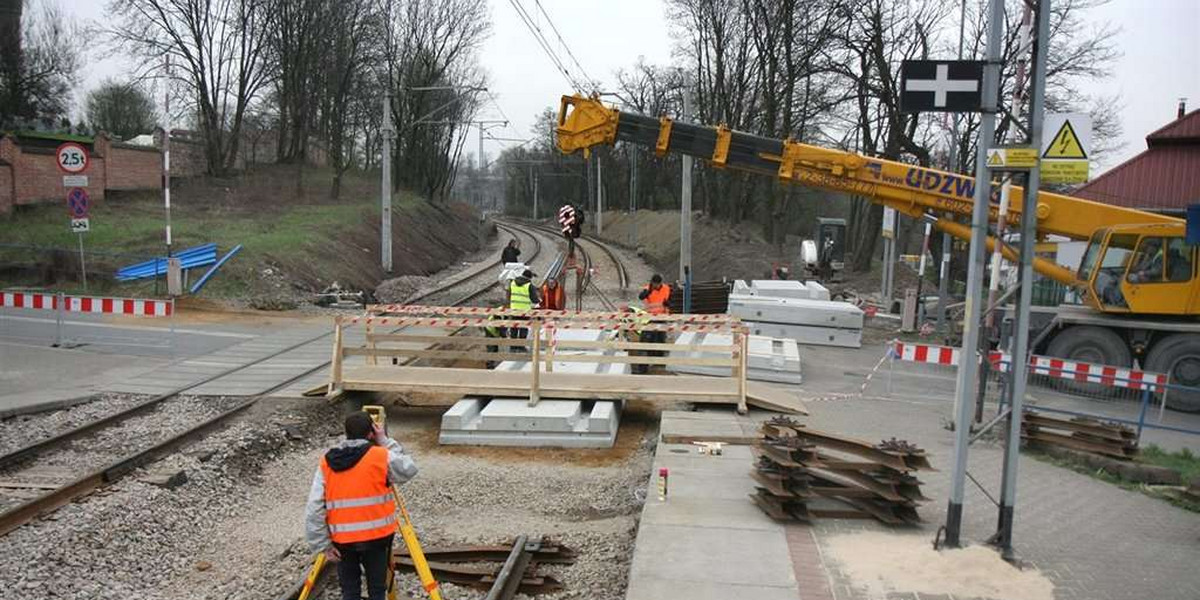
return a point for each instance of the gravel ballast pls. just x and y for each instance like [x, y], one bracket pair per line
[234, 529]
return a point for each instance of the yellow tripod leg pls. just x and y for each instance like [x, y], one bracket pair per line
[414, 549]
[311, 580]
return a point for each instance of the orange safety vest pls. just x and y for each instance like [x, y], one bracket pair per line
[555, 299]
[358, 501]
[656, 302]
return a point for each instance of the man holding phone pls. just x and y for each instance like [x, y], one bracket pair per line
[351, 515]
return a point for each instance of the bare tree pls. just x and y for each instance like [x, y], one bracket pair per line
[219, 46]
[120, 108]
[434, 75]
[40, 55]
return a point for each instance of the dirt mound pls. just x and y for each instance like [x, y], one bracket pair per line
[719, 249]
[399, 288]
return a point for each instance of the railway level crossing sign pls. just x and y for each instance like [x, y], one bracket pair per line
[941, 86]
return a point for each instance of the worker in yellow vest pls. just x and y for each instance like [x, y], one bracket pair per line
[522, 295]
[350, 515]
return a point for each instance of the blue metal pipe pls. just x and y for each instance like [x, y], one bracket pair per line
[208, 275]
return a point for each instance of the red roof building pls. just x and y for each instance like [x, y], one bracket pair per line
[1163, 179]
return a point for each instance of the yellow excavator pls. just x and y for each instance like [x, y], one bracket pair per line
[1137, 277]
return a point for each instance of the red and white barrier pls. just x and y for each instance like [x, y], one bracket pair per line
[87, 304]
[1122, 377]
[1102, 374]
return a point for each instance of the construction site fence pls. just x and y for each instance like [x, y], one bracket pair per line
[52, 317]
[1139, 399]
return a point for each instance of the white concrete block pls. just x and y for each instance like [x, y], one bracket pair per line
[818, 313]
[503, 414]
[816, 291]
[809, 335]
[551, 423]
[463, 412]
[768, 359]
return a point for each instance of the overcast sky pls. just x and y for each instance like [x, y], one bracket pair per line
[1158, 39]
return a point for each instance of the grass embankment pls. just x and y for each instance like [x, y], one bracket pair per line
[294, 236]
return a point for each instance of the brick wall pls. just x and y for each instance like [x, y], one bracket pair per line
[133, 168]
[6, 191]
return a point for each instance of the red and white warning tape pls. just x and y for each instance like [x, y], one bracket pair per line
[625, 324]
[1122, 377]
[87, 304]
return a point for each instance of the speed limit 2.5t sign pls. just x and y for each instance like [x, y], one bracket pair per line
[72, 158]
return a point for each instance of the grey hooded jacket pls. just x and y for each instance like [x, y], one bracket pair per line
[401, 468]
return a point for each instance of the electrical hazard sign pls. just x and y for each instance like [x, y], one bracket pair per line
[1066, 145]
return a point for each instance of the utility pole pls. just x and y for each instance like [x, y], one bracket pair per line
[599, 196]
[1020, 342]
[480, 162]
[685, 209]
[968, 368]
[633, 187]
[535, 196]
[385, 192]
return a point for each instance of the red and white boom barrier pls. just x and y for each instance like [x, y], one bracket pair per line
[87, 304]
[1123, 377]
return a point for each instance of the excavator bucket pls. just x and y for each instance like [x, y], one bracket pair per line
[583, 123]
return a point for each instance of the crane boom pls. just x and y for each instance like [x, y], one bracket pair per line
[918, 192]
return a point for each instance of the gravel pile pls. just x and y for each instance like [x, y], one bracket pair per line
[20, 431]
[398, 289]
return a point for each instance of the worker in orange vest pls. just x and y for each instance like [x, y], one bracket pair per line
[655, 298]
[553, 295]
[351, 515]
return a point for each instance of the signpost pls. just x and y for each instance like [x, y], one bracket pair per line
[941, 85]
[78, 205]
[1066, 147]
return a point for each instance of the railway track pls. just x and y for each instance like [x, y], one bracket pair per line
[485, 270]
[19, 469]
[586, 257]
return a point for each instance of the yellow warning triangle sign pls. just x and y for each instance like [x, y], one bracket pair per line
[1065, 144]
[995, 158]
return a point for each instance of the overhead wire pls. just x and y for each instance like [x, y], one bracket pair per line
[564, 45]
[545, 44]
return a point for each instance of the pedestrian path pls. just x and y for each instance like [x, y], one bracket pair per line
[305, 353]
[707, 540]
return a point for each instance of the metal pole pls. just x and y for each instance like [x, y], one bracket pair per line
[633, 240]
[921, 275]
[685, 209]
[535, 196]
[166, 157]
[599, 195]
[385, 191]
[1020, 350]
[82, 264]
[481, 164]
[1006, 187]
[969, 366]
[947, 241]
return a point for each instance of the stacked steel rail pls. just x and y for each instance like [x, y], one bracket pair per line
[804, 474]
[1081, 434]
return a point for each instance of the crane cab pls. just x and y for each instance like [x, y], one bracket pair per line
[1142, 269]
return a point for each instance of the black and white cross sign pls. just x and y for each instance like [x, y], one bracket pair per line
[941, 85]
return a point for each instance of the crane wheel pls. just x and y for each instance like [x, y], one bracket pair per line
[1089, 344]
[1178, 356]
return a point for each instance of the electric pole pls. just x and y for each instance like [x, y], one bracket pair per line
[385, 192]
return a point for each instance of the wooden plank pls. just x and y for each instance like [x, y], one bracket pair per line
[335, 370]
[536, 366]
[623, 345]
[464, 340]
[480, 355]
[583, 386]
[646, 360]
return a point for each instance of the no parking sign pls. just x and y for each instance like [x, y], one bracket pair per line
[78, 203]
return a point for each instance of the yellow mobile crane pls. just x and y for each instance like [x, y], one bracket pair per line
[1137, 277]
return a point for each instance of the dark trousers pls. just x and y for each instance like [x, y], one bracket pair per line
[649, 337]
[370, 557]
[518, 333]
